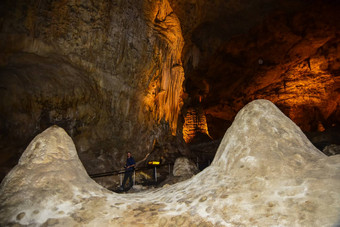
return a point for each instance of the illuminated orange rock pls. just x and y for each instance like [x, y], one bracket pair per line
[291, 58]
[164, 89]
[194, 122]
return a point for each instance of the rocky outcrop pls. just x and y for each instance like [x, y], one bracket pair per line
[265, 172]
[109, 72]
[184, 167]
[332, 149]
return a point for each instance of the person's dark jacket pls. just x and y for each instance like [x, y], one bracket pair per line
[130, 161]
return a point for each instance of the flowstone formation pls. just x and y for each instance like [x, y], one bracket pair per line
[108, 72]
[265, 173]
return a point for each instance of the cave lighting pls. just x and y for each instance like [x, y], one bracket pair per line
[154, 163]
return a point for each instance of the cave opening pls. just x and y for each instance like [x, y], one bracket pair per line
[167, 84]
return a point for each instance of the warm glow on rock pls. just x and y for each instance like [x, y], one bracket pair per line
[306, 91]
[320, 127]
[162, 98]
[194, 122]
[291, 59]
[306, 84]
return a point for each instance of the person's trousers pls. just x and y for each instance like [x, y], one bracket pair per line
[128, 174]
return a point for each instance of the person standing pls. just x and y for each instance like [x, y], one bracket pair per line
[129, 168]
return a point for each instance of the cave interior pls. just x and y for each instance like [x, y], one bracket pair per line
[163, 79]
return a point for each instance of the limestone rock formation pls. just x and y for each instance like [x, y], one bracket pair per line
[195, 123]
[49, 176]
[265, 173]
[288, 53]
[184, 167]
[332, 149]
[108, 72]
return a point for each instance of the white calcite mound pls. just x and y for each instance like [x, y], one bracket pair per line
[265, 173]
[184, 167]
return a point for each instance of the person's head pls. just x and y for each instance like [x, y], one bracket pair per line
[128, 154]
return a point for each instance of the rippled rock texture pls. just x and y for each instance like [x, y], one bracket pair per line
[265, 173]
[108, 72]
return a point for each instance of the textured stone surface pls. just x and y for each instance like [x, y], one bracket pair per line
[265, 173]
[184, 167]
[109, 72]
[195, 123]
[288, 53]
[332, 149]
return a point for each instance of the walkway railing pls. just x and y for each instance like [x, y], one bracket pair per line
[122, 172]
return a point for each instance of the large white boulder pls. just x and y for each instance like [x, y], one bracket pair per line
[184, 167]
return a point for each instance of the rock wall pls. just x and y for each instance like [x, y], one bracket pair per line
[108, 72]
[284, 51]
[265, 173]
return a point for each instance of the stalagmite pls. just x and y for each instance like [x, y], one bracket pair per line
[265, 173]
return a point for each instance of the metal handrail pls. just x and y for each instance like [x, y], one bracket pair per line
[117, 172]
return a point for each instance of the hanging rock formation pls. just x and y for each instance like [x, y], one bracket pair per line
[108, 72]
[265, 173]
